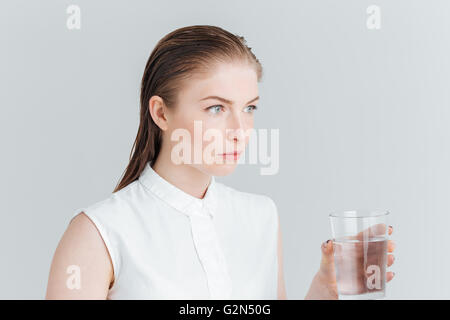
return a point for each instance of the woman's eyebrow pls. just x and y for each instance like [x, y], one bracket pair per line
[226, 100]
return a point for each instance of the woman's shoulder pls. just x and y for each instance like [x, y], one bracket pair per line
[109, 217]
[238, 194]
[256, 202]
[115, 203]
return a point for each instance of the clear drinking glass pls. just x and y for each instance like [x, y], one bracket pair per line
[360, 253]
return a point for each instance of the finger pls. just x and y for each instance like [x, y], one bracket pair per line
[327, 262]
[390, 229]
[389, 276]
[390, 260]
[327, 250]
[391, 246]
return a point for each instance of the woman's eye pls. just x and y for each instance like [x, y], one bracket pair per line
[215, 109]
[250, 108]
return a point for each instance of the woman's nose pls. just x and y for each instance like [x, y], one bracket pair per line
[236, 129]
[236, 134]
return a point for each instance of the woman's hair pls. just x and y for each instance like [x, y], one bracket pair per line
[175, 58]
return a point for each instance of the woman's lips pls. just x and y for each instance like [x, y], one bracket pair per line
[231, 155]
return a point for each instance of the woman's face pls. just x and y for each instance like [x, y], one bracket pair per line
[216, 110]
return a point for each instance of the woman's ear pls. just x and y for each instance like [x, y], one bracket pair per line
[158, 112]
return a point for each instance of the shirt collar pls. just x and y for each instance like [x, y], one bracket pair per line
[176, 197]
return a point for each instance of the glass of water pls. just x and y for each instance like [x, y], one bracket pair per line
[360, 240]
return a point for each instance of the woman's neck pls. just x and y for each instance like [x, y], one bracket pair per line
[183, 176]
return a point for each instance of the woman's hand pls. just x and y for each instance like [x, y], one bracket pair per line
[324, 286]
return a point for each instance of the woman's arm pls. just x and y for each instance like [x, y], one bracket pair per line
[80, 258]
[281, 285]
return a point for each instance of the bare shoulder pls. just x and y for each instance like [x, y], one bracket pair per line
[81, 267]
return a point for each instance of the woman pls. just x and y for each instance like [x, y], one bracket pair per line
[169, 230]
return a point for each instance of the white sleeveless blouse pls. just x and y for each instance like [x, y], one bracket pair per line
[167, 244]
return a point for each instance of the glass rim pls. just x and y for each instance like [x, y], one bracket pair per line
[370, 214]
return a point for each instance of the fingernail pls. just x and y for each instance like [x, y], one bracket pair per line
[391, 227]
